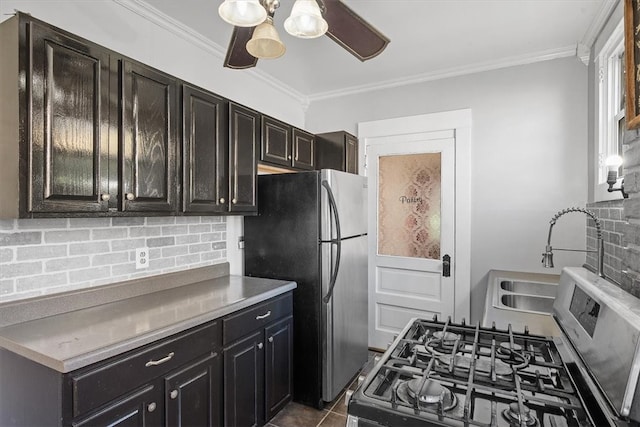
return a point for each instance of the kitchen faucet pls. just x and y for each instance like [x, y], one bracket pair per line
[547, 256]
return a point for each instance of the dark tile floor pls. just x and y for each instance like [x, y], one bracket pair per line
[333, 415]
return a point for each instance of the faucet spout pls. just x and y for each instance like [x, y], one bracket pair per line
[547, 256]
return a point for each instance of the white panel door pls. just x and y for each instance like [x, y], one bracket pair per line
[411, 230]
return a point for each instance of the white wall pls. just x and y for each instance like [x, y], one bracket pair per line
[529, 156]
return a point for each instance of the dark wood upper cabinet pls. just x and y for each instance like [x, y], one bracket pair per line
[68, 114]
[303, 150]
[285, 145]
[337, 150]
[244, 140]
[148, 141]
[205, 167]
[276, 142]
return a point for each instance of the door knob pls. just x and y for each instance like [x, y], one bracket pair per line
[446, 266]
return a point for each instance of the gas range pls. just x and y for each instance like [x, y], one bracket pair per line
[441, 373]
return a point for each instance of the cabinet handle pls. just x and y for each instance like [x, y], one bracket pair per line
[130, 196]
[105, 197]
[234, 201]
[260, 345]
[151, 407]
[222, 200]
[160, 361]
[264, 316]
[270, 339]
[173, 394]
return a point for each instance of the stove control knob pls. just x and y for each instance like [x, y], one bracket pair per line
[376, 359]
[360, 380]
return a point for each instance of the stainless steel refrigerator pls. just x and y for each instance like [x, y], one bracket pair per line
[311, 227]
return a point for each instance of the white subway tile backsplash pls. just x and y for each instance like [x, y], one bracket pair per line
[44, 256]
[67, 264]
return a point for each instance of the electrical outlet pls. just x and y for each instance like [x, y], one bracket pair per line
[142, 258]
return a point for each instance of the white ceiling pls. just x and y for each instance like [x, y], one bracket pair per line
[430, 39]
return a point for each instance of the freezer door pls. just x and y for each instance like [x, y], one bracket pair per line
[344, 316]
[350, 194]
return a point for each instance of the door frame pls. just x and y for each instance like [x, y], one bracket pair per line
[460, 122]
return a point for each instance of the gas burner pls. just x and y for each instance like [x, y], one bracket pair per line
[446, 339]
[431, 394]
[462, 365]
[517, 418]
[506, 348]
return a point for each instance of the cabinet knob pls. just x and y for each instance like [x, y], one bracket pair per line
[289, 157]
[270, 339]
[234, 200]
[130, 196]
[222, 200]
[173, 394]
[105, 197]
[260, 345]
[151, 407]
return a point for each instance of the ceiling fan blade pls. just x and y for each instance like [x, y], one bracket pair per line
[237, 56]
[352, 32]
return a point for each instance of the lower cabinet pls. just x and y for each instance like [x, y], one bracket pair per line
[258, 367]
[235, 371]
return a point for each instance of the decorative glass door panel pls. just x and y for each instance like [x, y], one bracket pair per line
[409, 208]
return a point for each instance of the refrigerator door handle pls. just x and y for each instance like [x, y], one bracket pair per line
[337, 242]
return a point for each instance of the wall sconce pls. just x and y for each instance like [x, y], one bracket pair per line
[613, 163]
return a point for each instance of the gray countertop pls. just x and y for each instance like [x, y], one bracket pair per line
[74, 339]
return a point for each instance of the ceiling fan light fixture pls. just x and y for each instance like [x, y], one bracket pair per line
[242, 13]
[306, 21]
[265, 43]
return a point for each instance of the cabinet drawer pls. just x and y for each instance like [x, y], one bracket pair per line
[98, 385]
[237, 325]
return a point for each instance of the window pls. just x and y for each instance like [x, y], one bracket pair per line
[610, 67]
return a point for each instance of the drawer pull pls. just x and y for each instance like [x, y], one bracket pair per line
[264, 316]
[161, 361]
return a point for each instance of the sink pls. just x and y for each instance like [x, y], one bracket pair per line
[530, 288]
[528, 303]
[522, 300]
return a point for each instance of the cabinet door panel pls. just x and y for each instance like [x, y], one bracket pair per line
[278, 366]
[351, 154]
[70, 83]
[244, 382]
[149, 141]
[276, 142]
[243, 144]
[193, 394]
[205, 166]
[139, 409]
[303, 150]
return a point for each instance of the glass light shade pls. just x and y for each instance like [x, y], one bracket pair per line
[305, 20]
[265, 43]
[242, 13]
[613, 162]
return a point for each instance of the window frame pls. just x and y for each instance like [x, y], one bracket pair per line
[610, 83]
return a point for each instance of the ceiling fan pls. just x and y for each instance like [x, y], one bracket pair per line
[254, 36]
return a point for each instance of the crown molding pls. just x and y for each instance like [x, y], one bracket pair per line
[151, 14]
[598, 22]
[451, 72]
